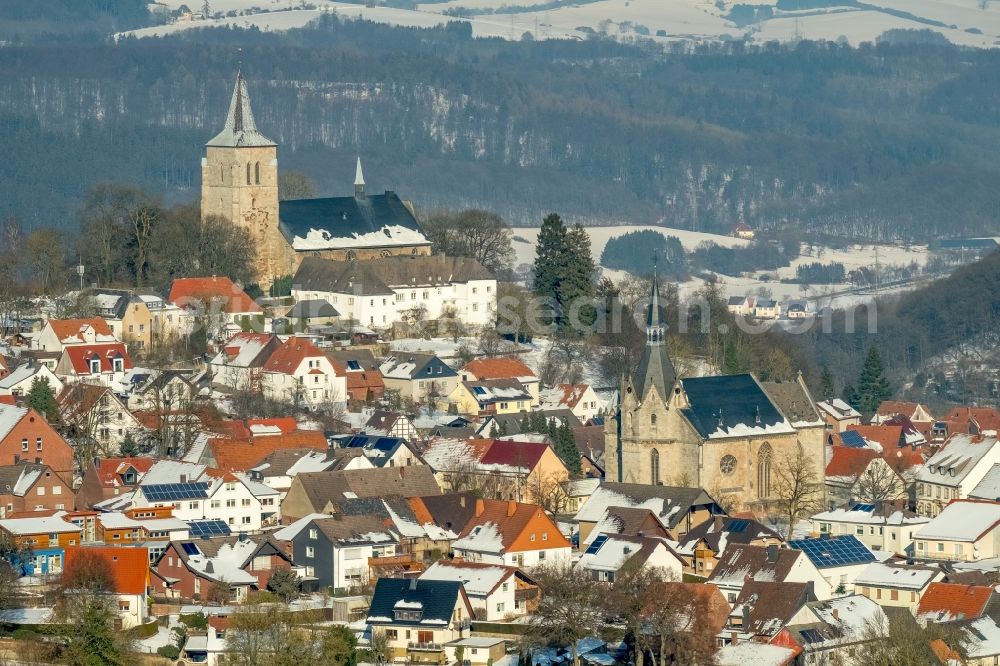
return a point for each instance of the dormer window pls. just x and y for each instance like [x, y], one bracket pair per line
[118, 364]
[95, 366]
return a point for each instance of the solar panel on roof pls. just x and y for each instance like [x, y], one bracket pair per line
[867, 508]
[171, 492]
[208, 528]
[190, 548]
[811, 636]
[834, 552]
[353, 365]
[737, 526]
[479, 390]
[853, 439]
[596, 544]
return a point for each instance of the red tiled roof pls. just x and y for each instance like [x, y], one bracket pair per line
[232, 298]
[512, 519]
[847, 461]
[239, 456]
[571, 393]
[110, 469]
[81, 355]
[960, 419]
[954, 599]
[7, 400]
[505, 367]
[289, 355]
[515, 454]
[889, 436]
[129, 567]
[894, 407]
[66, 328]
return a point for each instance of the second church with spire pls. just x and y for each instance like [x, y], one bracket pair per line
[239, 182]
[726, 434]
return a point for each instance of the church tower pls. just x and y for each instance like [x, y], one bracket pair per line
[655, 368]
[239, 181]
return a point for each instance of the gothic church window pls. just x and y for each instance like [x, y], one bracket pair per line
[248, 173]
[654, 467]
[764, 470]
[256, 172]
[652, 420]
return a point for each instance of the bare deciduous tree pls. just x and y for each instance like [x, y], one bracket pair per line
[798, 490]
[570, 609]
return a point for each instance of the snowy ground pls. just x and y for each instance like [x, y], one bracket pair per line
[964, 22]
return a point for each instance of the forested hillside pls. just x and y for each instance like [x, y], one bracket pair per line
[886, 141]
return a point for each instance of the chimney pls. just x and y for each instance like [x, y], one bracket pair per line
[480, 507]
[772, 554]
[184, 478]
[836, 614]
[511, 508]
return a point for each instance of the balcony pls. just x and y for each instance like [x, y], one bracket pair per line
[390, 561]
[426, 653]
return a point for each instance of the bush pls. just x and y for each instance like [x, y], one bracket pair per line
[195, 620]
[170, 652]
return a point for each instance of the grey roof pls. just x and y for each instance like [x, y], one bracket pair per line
[793, 400]
[725, 402]
[436, 599]
[349, 218]
[240, 130]
[314, 307]
[379, 276]
[323, 487]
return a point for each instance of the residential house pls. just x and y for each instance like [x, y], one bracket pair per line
[168, 321]
[319, 492]
[608, 554]
[901, 585]
[862, 474]
[743, 231]
[839, 559]
[838, 415]
[96, 364]
[885, 527]
[382, 451]
[129, 580]
[382, 292]
[971, 421]
[19, 381]
[766, 308]
[418, 378]
[298, 372]
[57, 334]
[277, 469]
[964, 531]
[308, 314]
[759, 654]
[700, 548]
[497, 593]
[577, 492]
[504, 367]
[949, 602]
[589, 442]
[797, 308]
[679, 509]
[28, 487]
[127, 316]
[235, 454]
[165, 391]
[148, 528]
[390, 424]
[243, 504]
[919, 414]
[512, 425]
[239, 365]
[336, 551]
[954, 471]
[360, 372]
[26, 436]
[45, 538]
[95, 410]
[491, 396]
[201, 568]
[581, 399]
[741, 306]
[982, 642]
[449, 513]
[499, 469]
[739, 563]
[836, 630]
[418, 617]
[513, 534]
[763, 608]
[218, 301]
[107, 478]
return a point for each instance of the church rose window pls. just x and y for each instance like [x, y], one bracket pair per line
[728, 464]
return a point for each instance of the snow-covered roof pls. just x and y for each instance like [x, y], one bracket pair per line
[289, 532]
[393, 234]
[838, 409]
[22, 373]
[956, 459]
[485, 538]
[119, 521]
[757, 654]
[852, 617]
[478, 581]
[227, 564]
[878, 574]
[10, 416]
[961, 521]
[983, 638]
[171, 471]
[989, 487]
[868, 516]
[41, 525]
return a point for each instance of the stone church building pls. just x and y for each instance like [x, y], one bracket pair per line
[239, 181]
[725, 434]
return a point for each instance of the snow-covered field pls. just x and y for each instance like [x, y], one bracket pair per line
[525, 239]
[964, 21]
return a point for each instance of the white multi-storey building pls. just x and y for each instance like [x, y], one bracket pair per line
[382, 292]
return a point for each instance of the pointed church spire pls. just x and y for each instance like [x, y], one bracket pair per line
[359, 181]
[240, 130]
[655, 368]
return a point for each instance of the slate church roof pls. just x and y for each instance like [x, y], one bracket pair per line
[240, 130]
[655, 367]
[731, 406]
[355, 222]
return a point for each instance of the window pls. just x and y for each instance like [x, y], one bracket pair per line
[57, 490]
[41, 491]
[894, 595]
[95, 366]
[24, 444]
[652, 420]
[248, 173]
[654, 467]
[310, 551]
[500, 607]
[216, 504]
[728, 464]
[193, 506]
[859, 530]
[246, 520]
[940, 547]
[246, 502]
[764, 455]
[230, 503]
[256, 172]
[532, 537]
